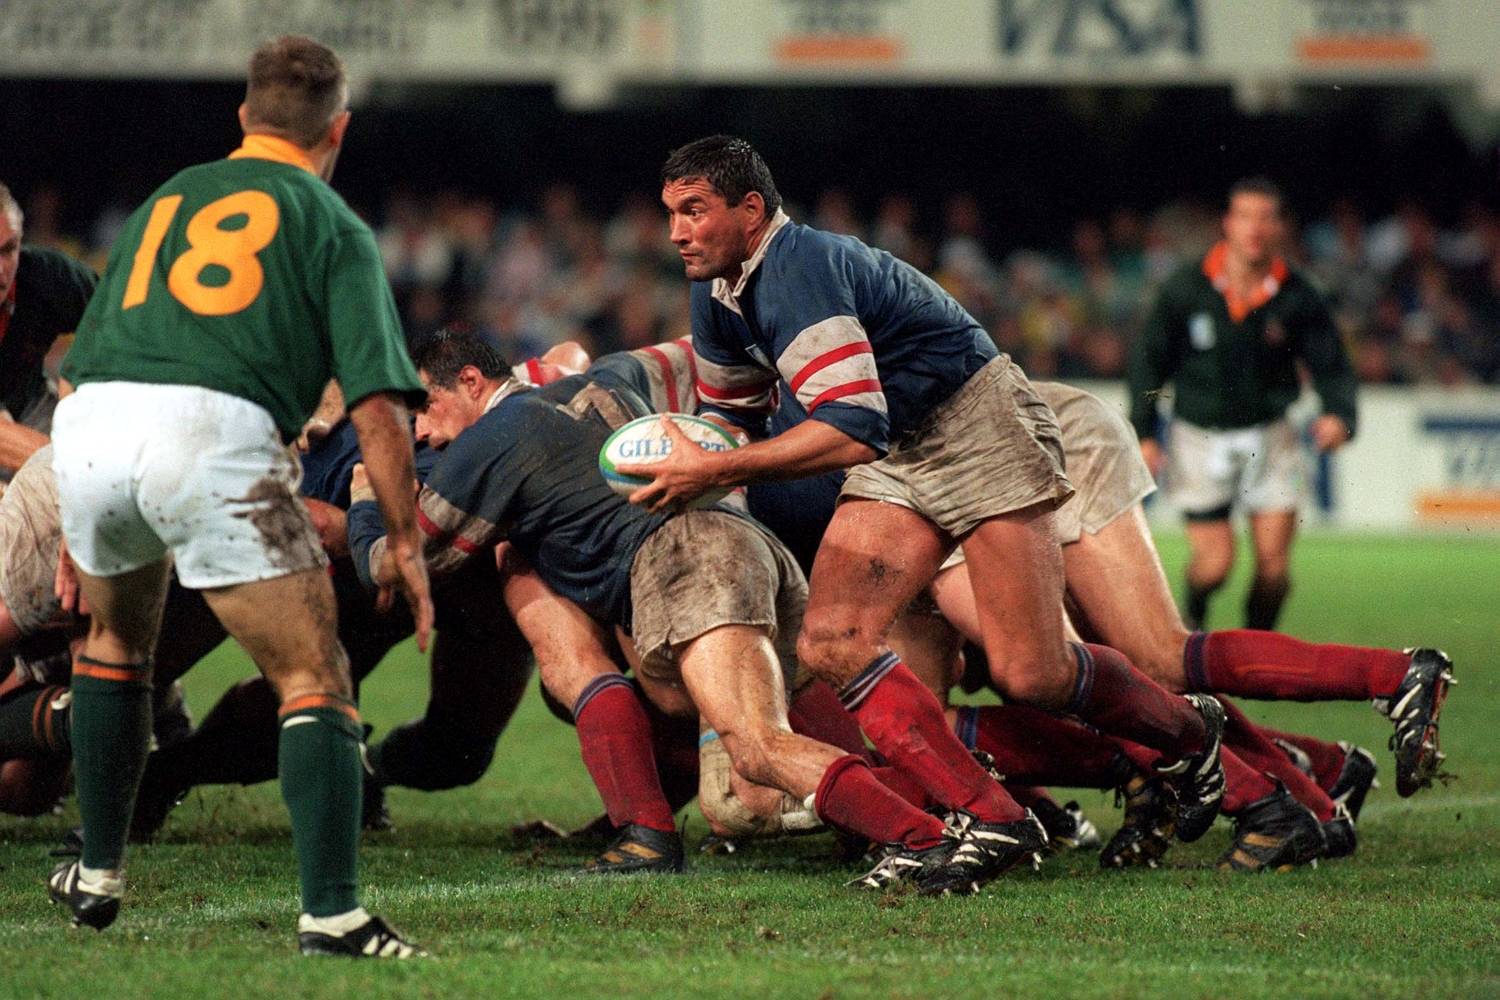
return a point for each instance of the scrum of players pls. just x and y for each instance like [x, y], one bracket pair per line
[910, 515]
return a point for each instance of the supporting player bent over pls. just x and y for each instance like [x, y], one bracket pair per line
[223, 373]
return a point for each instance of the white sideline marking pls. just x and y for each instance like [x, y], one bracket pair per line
[1429, 805]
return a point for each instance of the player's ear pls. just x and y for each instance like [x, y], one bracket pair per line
[755, 204]
[338, 128]
[244, 118]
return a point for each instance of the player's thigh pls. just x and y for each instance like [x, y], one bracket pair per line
[289, 626]
[571, 649]
[1016, 570]
[1116, 580]
[874, 559]
[125, 611]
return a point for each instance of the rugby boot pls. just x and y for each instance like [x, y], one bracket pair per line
[1198, 779]
[1299, 758]
[94, 904]
[1068, 829]
[1356, 778]
[983, 853]
[1414, 709]
[639, 849]
[1146, 832]
[373, 938]
[905, 864]
[1340, 833]
[1276, 832]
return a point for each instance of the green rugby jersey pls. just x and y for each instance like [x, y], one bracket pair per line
[1234, 364]
[250, 276]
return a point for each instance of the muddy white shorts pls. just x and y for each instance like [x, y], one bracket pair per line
[1209, 472]
[144, 471]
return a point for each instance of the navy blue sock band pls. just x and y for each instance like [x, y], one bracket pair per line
[858, 689]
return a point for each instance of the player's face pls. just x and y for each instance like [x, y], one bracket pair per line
[712, 237]
[10, 252]
[1252, 227]
[444, 417]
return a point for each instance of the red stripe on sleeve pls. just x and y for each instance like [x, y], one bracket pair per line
[847, 389]
[834, 356]
[666, 375]
[733, 395]
[428, 526]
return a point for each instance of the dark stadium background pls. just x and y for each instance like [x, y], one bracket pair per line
[1038, 159]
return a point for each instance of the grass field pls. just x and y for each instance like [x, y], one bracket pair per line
[1416, 913]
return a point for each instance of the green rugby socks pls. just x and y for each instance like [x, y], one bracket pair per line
[111, 738]
[322, 783]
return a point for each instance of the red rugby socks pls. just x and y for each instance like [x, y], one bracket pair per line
[908, 727]
[1121, 701]
[1035, 748]
[1255, 748]
[850, 797]
[817, 713]
[1252, 664]
[614, 735]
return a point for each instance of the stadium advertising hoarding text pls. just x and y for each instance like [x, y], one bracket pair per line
[766, 41]
[1423, 458]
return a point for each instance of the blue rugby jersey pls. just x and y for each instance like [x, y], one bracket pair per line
[865, 342]
[527, 472]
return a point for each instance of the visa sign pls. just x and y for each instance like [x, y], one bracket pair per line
[1093, 28]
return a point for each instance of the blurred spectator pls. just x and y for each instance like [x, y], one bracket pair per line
[1418, 301]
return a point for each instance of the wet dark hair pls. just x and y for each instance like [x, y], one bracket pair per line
[445, 353]
[730, 165]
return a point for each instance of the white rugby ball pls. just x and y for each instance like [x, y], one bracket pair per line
[644, 441]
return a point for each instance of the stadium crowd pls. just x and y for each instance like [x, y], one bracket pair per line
[1417, 303]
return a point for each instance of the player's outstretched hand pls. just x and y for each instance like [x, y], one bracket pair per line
[685, 474]
[403, 568]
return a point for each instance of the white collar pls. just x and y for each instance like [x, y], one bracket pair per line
[731, 296]
[509, 387]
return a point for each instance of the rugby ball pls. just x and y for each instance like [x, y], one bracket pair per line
[644, 441]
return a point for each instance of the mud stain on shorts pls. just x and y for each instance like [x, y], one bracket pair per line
[283, 525]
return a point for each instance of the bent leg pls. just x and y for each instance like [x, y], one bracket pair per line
[734, 678]
[1116, 580]
[875, 557]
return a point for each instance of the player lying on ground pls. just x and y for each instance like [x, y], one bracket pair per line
[224, 373]
[522, 465]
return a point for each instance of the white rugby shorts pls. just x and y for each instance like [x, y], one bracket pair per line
[144, 471]
[1259, 469]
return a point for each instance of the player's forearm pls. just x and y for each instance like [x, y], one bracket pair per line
[18, 443]
[385, 445]
[812, 448]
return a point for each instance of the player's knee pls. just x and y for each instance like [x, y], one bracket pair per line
[832, 650]
[1032, 679]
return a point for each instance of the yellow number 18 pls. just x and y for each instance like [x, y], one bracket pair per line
[232, 249]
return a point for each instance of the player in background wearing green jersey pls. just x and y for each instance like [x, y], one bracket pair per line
[1229, 333]
[230, 299]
